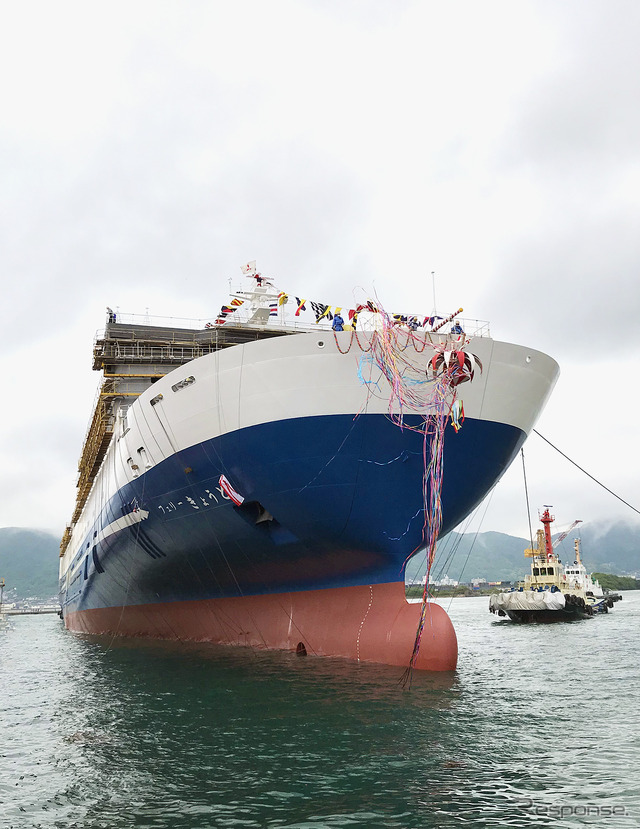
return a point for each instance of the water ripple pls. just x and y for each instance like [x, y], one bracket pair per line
[536, 728]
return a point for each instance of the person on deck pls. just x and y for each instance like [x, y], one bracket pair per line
[457, 328]
[338, 323]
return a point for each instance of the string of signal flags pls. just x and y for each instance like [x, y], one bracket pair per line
[323, 311]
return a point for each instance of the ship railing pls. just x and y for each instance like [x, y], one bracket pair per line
[154, 321]
[179, 328]
[143, 350]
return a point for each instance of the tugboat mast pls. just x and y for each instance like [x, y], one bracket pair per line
[576, 547]
[547, 520]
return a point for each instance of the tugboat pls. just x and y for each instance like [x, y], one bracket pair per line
[552, 592]
[598, 599]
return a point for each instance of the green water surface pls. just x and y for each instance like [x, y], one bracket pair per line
[538, 727]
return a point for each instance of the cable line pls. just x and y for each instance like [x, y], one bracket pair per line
[526, 495]
[611, 492]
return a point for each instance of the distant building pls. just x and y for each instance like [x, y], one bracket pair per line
[445, 582]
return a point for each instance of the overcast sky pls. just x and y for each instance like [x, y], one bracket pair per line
[148, 149]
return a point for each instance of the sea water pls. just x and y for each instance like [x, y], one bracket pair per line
[537, 727]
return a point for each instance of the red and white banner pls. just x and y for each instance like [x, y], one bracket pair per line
[230, 492]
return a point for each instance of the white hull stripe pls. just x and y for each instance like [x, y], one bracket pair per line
[126, 521]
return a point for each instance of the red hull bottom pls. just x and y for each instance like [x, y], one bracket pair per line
[366, 623]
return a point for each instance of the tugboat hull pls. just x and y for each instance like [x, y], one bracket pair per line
[548, 616]
[532, 606]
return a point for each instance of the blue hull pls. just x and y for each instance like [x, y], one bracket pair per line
[345, 496]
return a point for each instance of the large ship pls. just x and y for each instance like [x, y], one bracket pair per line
[256, 480]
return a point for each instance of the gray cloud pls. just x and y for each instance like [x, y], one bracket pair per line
[148, 152]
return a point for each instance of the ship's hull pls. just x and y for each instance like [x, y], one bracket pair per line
[333, 502]
[372, 623]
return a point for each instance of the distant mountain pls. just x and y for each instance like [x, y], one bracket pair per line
[29, 563]
[492, 556]
[606, 547]
[611, 548]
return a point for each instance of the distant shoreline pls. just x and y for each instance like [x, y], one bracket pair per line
[607, 580]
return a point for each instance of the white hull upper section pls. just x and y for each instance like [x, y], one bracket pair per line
[297, 376]
[306, 375]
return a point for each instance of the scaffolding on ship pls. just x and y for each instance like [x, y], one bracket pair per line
[122, 352]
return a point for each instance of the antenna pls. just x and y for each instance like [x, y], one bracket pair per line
[433, 284]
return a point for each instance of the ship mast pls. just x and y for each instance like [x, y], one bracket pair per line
[576, 546]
